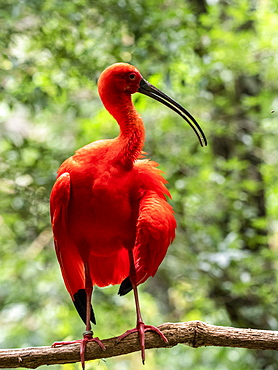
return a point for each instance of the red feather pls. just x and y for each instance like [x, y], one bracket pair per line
[110, 217]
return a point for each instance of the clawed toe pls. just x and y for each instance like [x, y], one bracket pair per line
[87, 337]
[141, 328]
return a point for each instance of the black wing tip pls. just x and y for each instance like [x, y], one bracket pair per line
[125, 287]
[79, 301]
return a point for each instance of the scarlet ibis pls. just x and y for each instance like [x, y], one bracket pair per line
[111, 221]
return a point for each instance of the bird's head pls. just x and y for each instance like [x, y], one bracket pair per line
[120, 80]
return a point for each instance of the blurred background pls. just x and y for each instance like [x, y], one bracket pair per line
[219, 59]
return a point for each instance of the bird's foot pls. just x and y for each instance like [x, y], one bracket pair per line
[141, 328]
[87, 337]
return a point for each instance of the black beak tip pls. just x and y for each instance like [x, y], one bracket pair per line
[148, 89]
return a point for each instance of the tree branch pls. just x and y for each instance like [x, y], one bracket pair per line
[192, 333]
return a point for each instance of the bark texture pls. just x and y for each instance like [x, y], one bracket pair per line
[192, 333]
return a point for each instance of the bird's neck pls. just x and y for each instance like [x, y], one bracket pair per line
[131, 138]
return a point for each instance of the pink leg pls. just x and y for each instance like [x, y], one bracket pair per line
[88, 334]
[141, 328]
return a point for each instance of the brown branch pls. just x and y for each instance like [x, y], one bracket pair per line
[191, 333]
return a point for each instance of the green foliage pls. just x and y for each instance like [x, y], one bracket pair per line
[219, 59]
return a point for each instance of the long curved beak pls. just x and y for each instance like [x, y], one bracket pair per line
[147, 89]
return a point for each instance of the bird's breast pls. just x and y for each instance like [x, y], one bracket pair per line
[101, 211]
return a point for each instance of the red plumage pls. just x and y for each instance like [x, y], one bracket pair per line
[110, 216]
[99, 211]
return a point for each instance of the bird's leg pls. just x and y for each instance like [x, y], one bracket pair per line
[141, 328]
[88, 334]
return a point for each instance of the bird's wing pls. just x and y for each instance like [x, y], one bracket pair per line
[155, 227]
[155, 232]
[69, 259]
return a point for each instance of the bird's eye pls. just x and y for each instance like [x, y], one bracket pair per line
[132, 76]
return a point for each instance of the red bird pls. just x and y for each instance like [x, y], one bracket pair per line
[110, 217]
